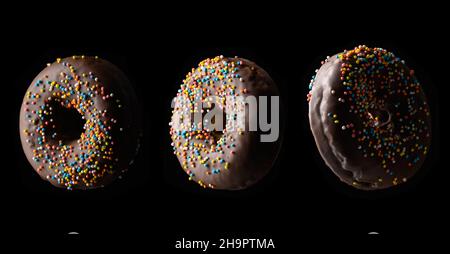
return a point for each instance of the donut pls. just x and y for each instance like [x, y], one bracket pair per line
[233, 158]
[369, 117]
[79, 123]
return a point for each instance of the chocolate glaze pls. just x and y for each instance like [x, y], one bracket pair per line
[336, 146]
[252, 159]
[125, 133]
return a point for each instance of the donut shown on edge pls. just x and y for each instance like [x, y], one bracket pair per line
[79, 123]
[369, 117]
[234, 158]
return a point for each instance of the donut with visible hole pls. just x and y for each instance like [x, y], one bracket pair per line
[79, 123]
[369, 118]
[232, 157]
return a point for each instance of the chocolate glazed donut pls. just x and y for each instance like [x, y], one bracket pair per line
[231, 159]
[79, 123]
[369, 117]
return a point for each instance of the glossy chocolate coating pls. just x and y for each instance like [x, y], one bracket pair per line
[249, 159]
[68, 83]
[343, 153]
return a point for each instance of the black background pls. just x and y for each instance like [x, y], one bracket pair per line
[300, 199]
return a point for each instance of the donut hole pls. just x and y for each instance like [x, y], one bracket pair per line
[212, 122]
[217, 132]
[66, 123]
[216, 135]
[383, 116]
[380, 117]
